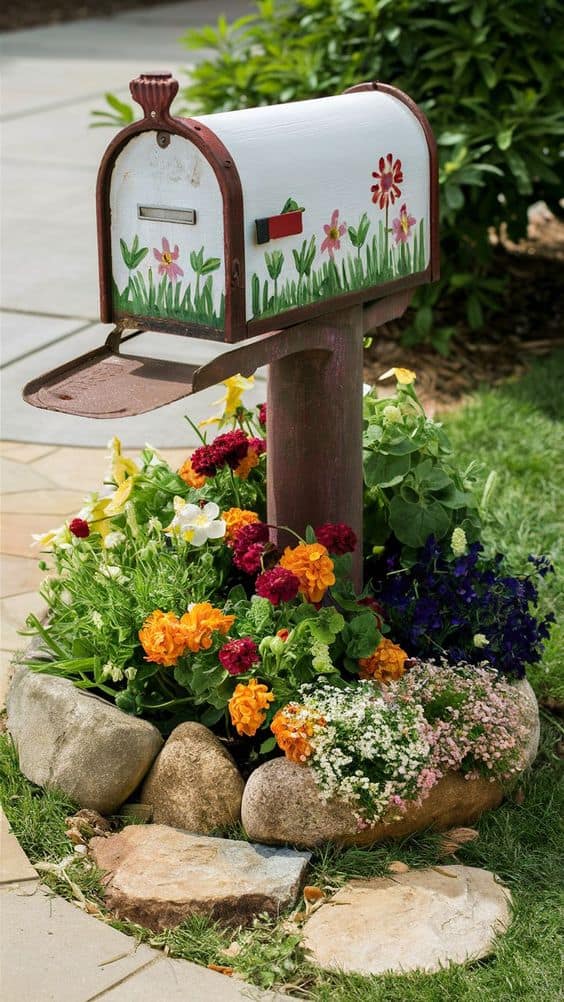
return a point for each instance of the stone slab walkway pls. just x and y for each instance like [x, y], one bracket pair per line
[51, 951]
[52, 78]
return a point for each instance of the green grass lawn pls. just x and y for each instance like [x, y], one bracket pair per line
[518, 430]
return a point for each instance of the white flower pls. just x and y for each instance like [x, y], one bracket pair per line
[60, 537]
[114, 539]
[130, 673]
[392, 414]
[194, 524]
[113, 671]
[97, 619]
[458, 542]
[114, 573]
[480, 640]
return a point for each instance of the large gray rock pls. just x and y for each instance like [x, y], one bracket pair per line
[420, 920]
[157, 876]
[75, 742]
[194, 783]
[282, 804]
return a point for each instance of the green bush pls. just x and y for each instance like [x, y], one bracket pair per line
[486, 74]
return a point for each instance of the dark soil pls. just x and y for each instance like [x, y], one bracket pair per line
[16, 14]
[531, 324]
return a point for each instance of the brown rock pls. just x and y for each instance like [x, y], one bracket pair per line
[194, 783]
[421, 920]
[281, 804]
[157, 876]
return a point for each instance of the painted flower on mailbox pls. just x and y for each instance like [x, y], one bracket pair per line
[167, 260]
[333, 233]
[401, 226]
[388, 178]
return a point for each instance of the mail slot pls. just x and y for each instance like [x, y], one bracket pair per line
[229, 225]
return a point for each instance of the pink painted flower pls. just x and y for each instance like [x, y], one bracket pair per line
[333, 232]
[388, 176]
[401, 227]
[167, 261]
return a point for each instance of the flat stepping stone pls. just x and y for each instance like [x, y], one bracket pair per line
[157, 876]
[421, 920]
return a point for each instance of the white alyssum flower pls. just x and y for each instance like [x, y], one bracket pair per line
[458, 542]
[114, 539]
[194, 524]
[480, 640]
[97, 619]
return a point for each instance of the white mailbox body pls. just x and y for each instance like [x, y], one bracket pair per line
[233, 224]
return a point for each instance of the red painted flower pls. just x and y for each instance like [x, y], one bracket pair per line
[237, 656]
[277, 585]
[333, 232]
[337, 537]
[401, 227]
[167, 260]
[388, 177]
[79, 528]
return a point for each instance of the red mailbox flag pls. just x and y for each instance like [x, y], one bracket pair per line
[287, 224]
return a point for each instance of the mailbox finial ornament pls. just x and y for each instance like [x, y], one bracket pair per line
[155, 93]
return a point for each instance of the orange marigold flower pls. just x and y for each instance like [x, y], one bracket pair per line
[247, 706]
[246, 464]
[163, 638]
[386, 664]
[313, 567]
[235, 519]
[200, 623]
[293, 726]
[189, 475]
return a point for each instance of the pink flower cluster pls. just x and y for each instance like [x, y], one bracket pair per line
[475, 720]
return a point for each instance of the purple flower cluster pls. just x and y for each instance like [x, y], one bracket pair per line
[467, 609]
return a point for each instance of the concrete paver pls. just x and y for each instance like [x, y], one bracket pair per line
[23, 333]
[53, 952]
[18, 575]
[55, 503]
[14, 864]
[180, 981]
[13, 613]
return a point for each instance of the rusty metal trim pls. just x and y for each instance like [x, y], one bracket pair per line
[384, 88]
[155, 92]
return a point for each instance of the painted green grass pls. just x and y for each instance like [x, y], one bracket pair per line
[518, 430]
[149, 296]
[372, 263]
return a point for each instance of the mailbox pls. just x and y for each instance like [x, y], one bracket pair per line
[229, 225]
[249, 223]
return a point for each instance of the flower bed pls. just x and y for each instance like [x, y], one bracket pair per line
[173, 598]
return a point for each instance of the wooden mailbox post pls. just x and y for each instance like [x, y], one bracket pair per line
[290, 231]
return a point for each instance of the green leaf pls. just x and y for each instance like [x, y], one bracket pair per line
[267, 746]
[504, 138]
[414, 523]
[385, 471]
[361, 636]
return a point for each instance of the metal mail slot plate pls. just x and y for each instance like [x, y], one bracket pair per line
[161, 214]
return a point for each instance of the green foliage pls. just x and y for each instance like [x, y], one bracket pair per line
[487, 76]
[414, 488]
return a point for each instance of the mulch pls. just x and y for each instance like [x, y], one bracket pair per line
[18, 14]
[530, 325]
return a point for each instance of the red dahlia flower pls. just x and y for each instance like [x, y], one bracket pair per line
[230, 448]
[79, 528]
[237, 656]
[277, 585]
[262, 414]
[249, 560]
[337, 537]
